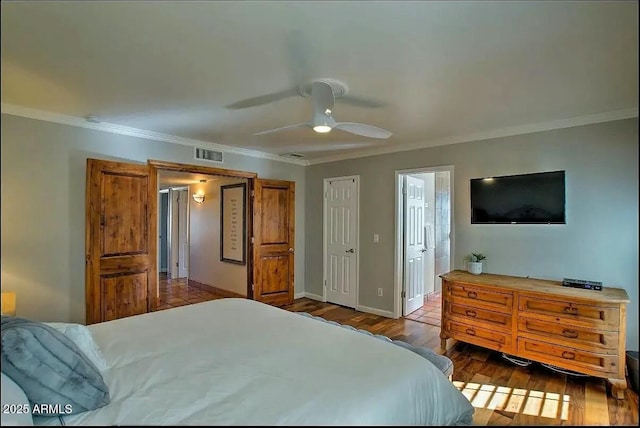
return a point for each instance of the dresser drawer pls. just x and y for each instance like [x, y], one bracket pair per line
[485, 337]
[473, 315]
[591, 363]
[578, 314]
[601, 341]
[479, 297]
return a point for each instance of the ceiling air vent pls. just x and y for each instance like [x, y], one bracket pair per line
[208, 155]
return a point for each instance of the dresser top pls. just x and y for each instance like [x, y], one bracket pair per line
[608, 294]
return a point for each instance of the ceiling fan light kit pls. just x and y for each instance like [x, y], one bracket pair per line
[322, 129]
[323, 95]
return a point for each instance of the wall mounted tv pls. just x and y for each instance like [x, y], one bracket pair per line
[519, 199]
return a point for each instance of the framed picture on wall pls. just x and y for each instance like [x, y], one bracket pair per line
[233, 223]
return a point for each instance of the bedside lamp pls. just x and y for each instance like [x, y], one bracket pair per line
[9, 303]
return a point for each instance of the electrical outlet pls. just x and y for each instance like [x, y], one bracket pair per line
[379, 291]
[376, 237]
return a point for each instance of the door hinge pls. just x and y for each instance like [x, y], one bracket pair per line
[404, 294]
[252, 287]
[252, 239]
[253, 193]
[404, 190]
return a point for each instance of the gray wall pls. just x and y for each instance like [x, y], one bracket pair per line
[599, 241]
[43, 207]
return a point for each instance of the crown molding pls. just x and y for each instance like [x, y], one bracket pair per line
[80, 122]
[486, 135]
[47, 116]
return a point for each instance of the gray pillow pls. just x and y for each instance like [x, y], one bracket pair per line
[50, 368]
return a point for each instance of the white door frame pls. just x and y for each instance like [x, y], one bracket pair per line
[399, 259]
[326, 181]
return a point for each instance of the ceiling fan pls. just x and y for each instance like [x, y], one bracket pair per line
[323, 94]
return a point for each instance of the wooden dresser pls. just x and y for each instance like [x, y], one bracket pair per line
[575, 329]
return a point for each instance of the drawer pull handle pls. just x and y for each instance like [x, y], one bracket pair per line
[568, 355]
[470, 332]
[570, 333]
[472, 294]
[471, 313]
[570, 310]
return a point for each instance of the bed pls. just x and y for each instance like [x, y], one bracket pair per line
[241, 362]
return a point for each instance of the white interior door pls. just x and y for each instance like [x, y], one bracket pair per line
[414, 249]
[174, 252]
[183, 233]
[341, 240]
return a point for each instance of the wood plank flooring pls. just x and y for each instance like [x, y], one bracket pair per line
[502, 393]
[180, 292]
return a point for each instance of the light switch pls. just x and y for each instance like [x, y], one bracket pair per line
[376, 237]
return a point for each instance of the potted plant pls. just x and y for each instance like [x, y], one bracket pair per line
[474, 263]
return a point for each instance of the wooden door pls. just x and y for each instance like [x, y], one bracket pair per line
[273, 241]
[121, 231]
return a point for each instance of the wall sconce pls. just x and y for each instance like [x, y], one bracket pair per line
[198, 198]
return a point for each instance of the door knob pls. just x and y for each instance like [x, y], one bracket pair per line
[291, 250]
[424, 250]
[350, 251]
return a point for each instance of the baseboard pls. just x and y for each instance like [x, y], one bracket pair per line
[314, 297]
[311, 296]
[216, 290]
[375, 311]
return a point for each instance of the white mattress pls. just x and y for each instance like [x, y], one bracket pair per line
[240, 362]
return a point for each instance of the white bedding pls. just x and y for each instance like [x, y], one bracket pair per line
[240, 362]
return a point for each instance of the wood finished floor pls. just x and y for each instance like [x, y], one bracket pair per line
[179, 292]
[502, 393]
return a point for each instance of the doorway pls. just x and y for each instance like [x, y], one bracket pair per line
[122, 221]
[196, 269]
[424, 241]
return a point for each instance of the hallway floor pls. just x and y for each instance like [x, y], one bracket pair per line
[179, 292]
[431, 312]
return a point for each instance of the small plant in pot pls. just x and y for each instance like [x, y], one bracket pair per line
[474, 263]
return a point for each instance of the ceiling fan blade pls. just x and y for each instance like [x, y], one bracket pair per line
[264, 99]
[298, 56]
[297, 125]
[363, 129]
[361, 102]
[322, 97]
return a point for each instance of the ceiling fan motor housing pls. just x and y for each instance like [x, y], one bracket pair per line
[338, 88]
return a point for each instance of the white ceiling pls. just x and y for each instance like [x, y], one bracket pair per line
[168, 178]
[444, 69]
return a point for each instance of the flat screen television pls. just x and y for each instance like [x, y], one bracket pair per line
[519, 199]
